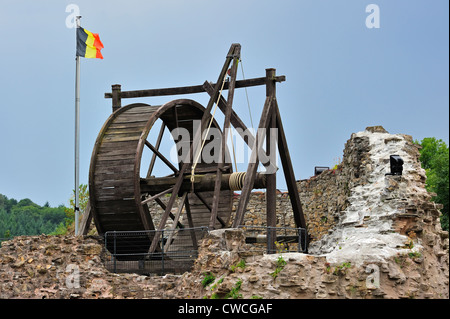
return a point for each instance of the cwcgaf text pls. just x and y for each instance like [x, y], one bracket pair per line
[244, 308]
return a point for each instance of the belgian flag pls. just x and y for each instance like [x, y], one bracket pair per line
[88, 44]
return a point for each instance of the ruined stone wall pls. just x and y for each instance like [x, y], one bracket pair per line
[323, 197]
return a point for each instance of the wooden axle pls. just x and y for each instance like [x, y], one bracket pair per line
[202, 183]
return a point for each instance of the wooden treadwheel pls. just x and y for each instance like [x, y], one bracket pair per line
[119, 199]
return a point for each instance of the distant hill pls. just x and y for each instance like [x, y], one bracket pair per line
[25, 217]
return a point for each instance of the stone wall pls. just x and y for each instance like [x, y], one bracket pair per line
[72, 267]
[238, 272]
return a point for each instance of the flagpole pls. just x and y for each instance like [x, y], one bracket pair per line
[77, 135]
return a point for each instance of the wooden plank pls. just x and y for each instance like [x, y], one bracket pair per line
[120, 169]
[119, 146]
[144, 109]
[103, 158]
[111, 151]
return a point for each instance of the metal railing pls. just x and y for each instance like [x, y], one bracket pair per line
[274, 240]
[176, 252]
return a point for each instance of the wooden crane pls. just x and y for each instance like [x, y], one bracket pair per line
[120, 196]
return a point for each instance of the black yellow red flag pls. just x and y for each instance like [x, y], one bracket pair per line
[88, 44]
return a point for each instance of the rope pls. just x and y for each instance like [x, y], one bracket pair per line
[236, 181]
[246, 94]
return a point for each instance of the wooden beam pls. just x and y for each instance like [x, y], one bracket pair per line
[226, 126]
[202, 183]
[116, 97]
[271, 179]
[252, 167]
[289, 175]
[189, 89]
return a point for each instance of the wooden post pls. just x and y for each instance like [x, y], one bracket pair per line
[116, 99]
[271, 181]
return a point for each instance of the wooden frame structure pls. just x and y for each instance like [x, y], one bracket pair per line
[270, 119]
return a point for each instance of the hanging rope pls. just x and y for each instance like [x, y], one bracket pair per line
[232, 147]
[246, 94]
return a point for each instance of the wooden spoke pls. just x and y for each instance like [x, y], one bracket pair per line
[158, 143]
[157, 196]
[162, 157]
[175, 222]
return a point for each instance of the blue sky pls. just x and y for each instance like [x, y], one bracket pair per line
[340, 75]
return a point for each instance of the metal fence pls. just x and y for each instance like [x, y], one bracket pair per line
[272, 240]
[128, 251]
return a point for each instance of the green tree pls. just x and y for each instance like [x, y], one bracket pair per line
[68, 225]
[27, 218]
[434, 157]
